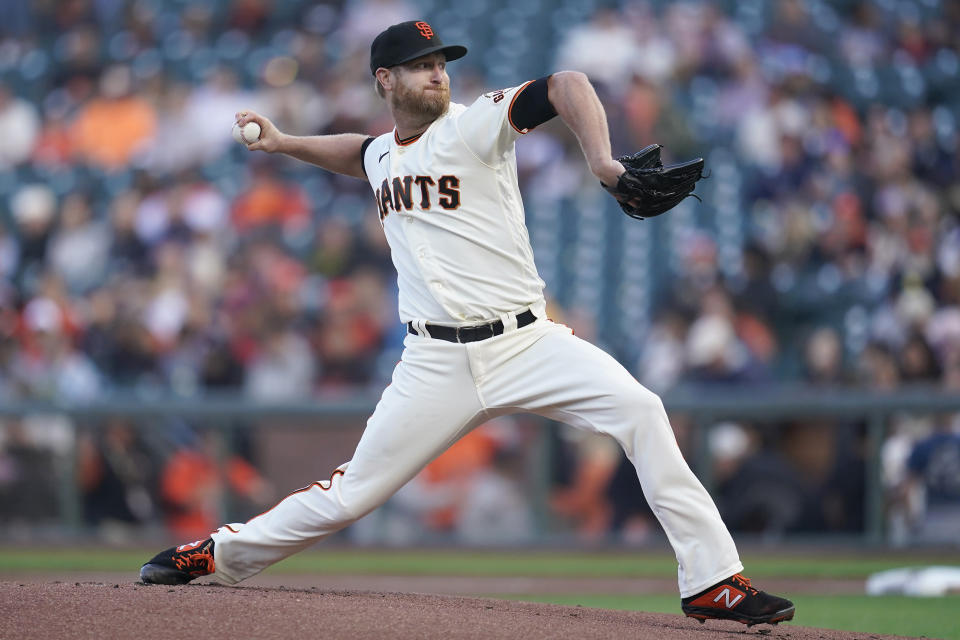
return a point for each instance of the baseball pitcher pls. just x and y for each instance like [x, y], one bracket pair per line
[478, 342]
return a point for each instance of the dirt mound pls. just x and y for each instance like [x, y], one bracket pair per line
[55, 610]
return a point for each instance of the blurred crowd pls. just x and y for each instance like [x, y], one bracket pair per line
[137, 253]
[143, 251]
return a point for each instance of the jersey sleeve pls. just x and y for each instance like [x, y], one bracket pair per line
[491, 125]
[371, 153]
[363, 152]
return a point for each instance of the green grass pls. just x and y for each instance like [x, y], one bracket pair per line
[334, 561]
[930, 617]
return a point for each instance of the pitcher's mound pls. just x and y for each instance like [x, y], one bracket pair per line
[150, 612]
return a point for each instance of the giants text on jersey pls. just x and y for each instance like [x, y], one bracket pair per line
[450, 207]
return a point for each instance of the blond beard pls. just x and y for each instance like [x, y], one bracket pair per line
[430, 105]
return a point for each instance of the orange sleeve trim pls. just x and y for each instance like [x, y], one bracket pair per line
[510, 108]
[318, 483]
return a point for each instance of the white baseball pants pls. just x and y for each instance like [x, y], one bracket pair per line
[442, 390]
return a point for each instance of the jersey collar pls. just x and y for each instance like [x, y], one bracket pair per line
[406, 141]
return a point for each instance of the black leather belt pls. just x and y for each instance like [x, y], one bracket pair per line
[474, 333]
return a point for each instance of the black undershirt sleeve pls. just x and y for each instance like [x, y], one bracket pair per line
[363, 151]
[532, 107]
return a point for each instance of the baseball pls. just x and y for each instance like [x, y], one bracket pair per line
[249, 134]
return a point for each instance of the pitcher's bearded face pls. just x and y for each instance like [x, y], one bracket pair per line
[430, 101]
[422, 87]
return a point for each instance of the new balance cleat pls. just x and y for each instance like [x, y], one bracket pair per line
[180, 565]
[734, 599]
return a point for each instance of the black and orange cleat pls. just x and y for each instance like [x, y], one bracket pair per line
[180, 565]
[734, 599]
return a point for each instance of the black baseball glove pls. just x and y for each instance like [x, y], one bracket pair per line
[647, 188]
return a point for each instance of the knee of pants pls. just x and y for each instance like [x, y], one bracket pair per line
[638, 401]
[351, 512]
[638, 409]
[351, 508]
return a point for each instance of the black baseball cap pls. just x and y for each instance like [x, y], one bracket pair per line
[407, 41]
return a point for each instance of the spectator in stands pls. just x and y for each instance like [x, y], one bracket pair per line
[28, 476]
[54, 145]
[269, 202]
[9, 257]
[470, 491]
[20, 121]
[349, 334]
[116, 474]
[215, 100]
[823, 359]
[759, 490]
[194, 486]
[918, 363]
[33, 207]
[604, 48]
[581, 501]
[128, 253]
[282, 368]
[116, 126]
[78, 249]
[50, 366]
[662, 357]
[933, 475]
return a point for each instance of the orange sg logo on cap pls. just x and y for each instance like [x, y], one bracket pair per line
[425, 29]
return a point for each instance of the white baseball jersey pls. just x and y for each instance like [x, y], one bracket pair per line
[459, 241]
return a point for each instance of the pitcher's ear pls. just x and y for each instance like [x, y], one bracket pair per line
[385, 79]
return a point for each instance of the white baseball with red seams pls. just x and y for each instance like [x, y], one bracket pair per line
[451, 211]
[248, 134]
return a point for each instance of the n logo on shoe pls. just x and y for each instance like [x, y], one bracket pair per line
[725, 594]
[187, 547]
[722, 597]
